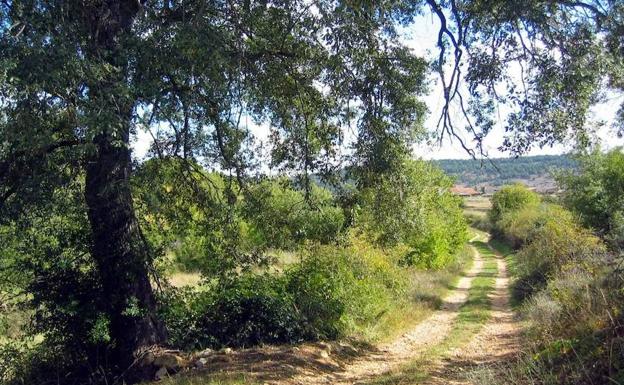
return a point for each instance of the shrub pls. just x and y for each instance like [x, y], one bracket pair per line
[319, 287]
[479, 222]
[596, 193]
[339, 291]
[432, 250]
[575, 325]
[417, 209]
[521, 226]
[330, 293]
[247, 310]
[553, 240]
[251, 310]
[509, 199]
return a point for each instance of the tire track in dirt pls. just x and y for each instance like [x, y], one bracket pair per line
[499, 340]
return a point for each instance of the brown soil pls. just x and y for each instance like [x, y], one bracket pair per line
[498, 341]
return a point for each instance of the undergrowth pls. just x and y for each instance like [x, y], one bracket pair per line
[358, 291]
[567, 287]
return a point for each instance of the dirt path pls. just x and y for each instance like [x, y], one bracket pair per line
[429, 332]
[497, 342]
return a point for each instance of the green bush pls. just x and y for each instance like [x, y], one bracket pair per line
[521, 226]
[510, 199]
[573, 299]
[319, 286]
[549, 238]
[596, 193]
[280, 217]
[479, 222]
[417, 209]
[556, 243]
[247, 310]
[340, 291]
[432, 250]
[251, 310]
[330, 293]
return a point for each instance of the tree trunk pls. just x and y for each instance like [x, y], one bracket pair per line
[118, 246]
[120, 254]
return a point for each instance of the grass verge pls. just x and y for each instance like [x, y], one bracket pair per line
[426, 292]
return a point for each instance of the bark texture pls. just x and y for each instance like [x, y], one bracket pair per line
[118, 247]
[119, 252]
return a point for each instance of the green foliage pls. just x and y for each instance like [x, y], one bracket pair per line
[568, 52]
[596, 193]
[331, 292]
[572, 298]
[520, 226]
[319, 285]
[55, 292]
[248, 310]
[339, 291]
[509, 199]
[416, 208]
[79, 80]
[281, 217]
[549, 238]
[207, 222]
[572, 330]
[191, 216]
[556, 242]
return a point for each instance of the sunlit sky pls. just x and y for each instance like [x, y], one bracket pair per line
[421, 37]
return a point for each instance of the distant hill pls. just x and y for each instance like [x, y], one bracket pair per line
[535, 171]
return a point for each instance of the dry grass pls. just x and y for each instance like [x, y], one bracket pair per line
[184, 279]
[477, 206]
[212, 379]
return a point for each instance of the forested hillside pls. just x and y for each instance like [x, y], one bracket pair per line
[499, 171]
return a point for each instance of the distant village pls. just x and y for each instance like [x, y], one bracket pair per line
[541, 185]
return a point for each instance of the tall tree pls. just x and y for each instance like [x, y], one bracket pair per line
[548, 61]
[80, 77]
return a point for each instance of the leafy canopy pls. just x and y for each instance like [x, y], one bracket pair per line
[596, 192]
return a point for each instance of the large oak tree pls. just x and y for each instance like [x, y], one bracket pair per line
[79, 78]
